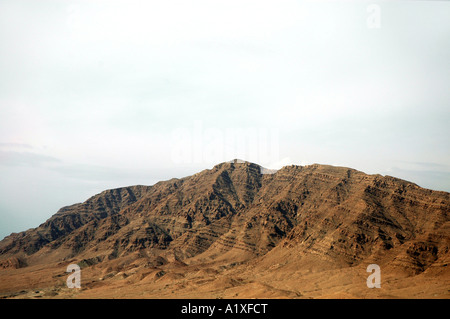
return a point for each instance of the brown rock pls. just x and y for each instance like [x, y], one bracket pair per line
[233, 218]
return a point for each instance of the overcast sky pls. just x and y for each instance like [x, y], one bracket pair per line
[101, 94]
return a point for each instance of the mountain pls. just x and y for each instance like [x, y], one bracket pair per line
[240, 230]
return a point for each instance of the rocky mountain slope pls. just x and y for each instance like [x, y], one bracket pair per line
[233, 221]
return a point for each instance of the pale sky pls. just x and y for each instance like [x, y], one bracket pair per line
[102, 94]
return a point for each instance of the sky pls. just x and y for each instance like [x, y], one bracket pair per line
[97, 94]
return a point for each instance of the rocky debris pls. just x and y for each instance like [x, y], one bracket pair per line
[12, 263]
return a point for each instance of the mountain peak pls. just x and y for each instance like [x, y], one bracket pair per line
[239, 212]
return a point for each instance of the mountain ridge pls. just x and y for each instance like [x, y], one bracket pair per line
[235, 214]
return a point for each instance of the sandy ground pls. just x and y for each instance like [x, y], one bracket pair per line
[133, 279]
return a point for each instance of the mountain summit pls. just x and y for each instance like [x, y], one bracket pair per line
[237, 230]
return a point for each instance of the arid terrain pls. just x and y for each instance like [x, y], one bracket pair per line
[238, 231]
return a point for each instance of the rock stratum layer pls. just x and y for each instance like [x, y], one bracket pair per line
[231, 231]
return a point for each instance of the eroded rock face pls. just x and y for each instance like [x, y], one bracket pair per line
[337, 213]
[70, 218]
[12, 263]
